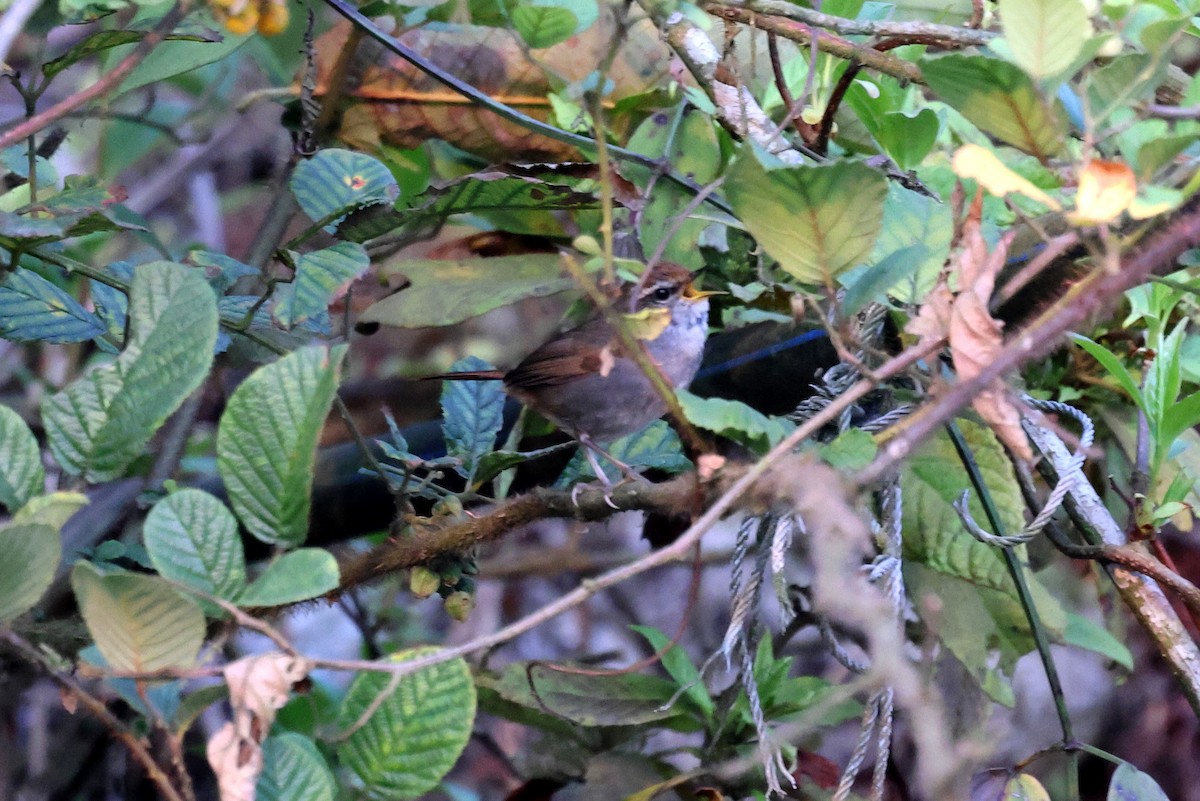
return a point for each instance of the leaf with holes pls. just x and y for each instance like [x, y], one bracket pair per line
[34, 310]
[21, 473]
[334, 182]
[322, 277]
[192, 538]
[416, 734]
[816, 222]
[102, 421]
[1000, 99]
[139, 622]
[267, 441]
[31, 553]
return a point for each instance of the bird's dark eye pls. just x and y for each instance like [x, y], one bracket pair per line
[662, 293]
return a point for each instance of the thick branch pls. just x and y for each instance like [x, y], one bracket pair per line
[1086, 299]
[851, 27]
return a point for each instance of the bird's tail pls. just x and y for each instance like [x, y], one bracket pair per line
[467, 375]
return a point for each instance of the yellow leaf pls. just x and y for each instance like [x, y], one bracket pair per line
[1106, 189]
[1024, 787]
[981, 164]
[647, 324]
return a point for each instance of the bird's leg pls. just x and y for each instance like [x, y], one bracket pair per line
[591, 450]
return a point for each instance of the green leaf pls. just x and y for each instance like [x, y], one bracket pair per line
[734, 420]
[267, 441]
[31, 553]
[853, 449]
[627, 699]
[53, 510]
[101, 41]
[296, 576]
[966, 575]
[1024, 787]
[294, 770]
[34, 310]
[1000, 99]
[416, 734]
[472, 415]
[1130, 784]
[334, 182]
[321, 278]
[691, 146]
[1084, 632]
[677, 663]
[139, 622]
[102, 421]
[1045, 35]
[815, 221]
[906, 137]
[444, 292]
[173, 58]
[542, 25]
[20, 231]
[21, 473]
[655, 447]
[192, 538]
[221, 271]
[486, 194]
[494, 463]
[1115, 368]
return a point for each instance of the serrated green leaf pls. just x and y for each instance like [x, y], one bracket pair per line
[735, 420]
[294, 770]
[321, 277]
[296, 576]
[34, 310]
[942, 559]
[21, 472]
[31, 553]
[1045, 35]
[1130, 784]
[472, 415]
[628, 699]
[494, 463]
[139, 622]
[192, 538]
[542, 25]
[655, 447]
[816, 222]
[913, 221]
[267, 441]
[416, 735]
[335, 182]
[102, 421]
[444, 292]
[1000, 99]
[20, 231]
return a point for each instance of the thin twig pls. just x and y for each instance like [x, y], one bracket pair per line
[107, 83]
[97, 707]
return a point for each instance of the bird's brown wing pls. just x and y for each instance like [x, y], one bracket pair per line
[580, 351]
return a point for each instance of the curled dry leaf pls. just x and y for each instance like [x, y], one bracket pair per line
[708, 464]
[975, 336]
[1106, 189]
[258, 687]
[394, 102]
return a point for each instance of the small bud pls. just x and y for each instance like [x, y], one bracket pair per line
[449, 506]
[587, 245]
[423, 582]
[459, 605]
